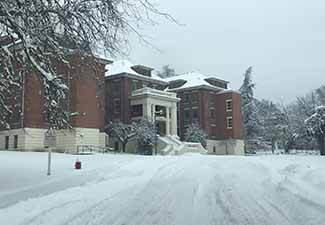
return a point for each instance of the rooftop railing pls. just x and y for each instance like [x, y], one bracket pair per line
[151, 91]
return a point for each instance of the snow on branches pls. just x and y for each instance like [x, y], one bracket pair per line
[250, 112]
[146, 135]
[46, 31]
[316, 126]
[195, 134]
[122, 132]
[316, 122]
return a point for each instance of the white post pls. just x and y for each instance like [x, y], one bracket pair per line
[49, 162]
[167, 122]
[174, 120]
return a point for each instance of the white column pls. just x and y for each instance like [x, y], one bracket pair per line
[174, 120]
[146, 109]
[167, 121]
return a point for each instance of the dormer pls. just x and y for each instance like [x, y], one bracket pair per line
[217, 82]
[143, 70]
[176, 83]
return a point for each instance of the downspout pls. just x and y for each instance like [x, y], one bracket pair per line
[22, 116]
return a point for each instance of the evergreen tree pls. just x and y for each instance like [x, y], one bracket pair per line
[249, 109]
[195, 134]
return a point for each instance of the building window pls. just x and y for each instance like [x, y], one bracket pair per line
[186, 115]
[212, 113]
[134, 85]
[117, 106]
[137, 110]
[195, 97]
[212, 98]
[186, 97]
[7, 142]
[229, 105]
[117, 87]
[195, 114]
[16, 141]
[213, 130]
[214, 149]
[229, 123]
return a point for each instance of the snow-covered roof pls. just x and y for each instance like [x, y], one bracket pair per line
[125, 67]
[193, 79]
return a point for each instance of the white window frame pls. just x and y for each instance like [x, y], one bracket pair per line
[227, 102]
[232, 122]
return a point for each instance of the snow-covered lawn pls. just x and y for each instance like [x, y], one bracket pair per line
[156, 190]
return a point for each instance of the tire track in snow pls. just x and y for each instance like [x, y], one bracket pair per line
[103, 206]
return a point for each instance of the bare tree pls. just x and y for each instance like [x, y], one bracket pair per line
[122, 132]
[316, 127]
[45, 31]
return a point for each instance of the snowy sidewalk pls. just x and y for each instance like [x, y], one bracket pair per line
[146, 190]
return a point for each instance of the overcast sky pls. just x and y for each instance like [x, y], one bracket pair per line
[282, 39]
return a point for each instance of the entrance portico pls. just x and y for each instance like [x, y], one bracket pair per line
[158, 106]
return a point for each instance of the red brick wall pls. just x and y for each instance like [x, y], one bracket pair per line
[87, 95]
[33, 102]
[212, 99]
[85, 79]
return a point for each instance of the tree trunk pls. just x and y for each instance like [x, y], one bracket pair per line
[123, 146]
[322, 144]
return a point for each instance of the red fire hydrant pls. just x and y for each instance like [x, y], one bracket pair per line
[77, 165]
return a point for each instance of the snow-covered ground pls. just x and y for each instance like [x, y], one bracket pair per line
[156, 190]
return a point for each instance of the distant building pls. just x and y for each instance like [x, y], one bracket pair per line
[102, 91]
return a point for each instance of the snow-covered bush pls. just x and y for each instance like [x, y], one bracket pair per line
[145, 134]
[195, 134]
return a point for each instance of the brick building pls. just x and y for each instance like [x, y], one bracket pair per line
[208, 102]
[102, 91]
[86, 82]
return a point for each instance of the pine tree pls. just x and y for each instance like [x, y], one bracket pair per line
[250, 114]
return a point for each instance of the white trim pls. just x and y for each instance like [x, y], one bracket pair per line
[232, 122]
[227, 101]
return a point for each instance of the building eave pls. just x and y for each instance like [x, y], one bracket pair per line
[197, 87]
[110, 77]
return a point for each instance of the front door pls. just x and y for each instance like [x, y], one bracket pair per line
[161, 128]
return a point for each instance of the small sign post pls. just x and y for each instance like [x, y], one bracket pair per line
[49, 143]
